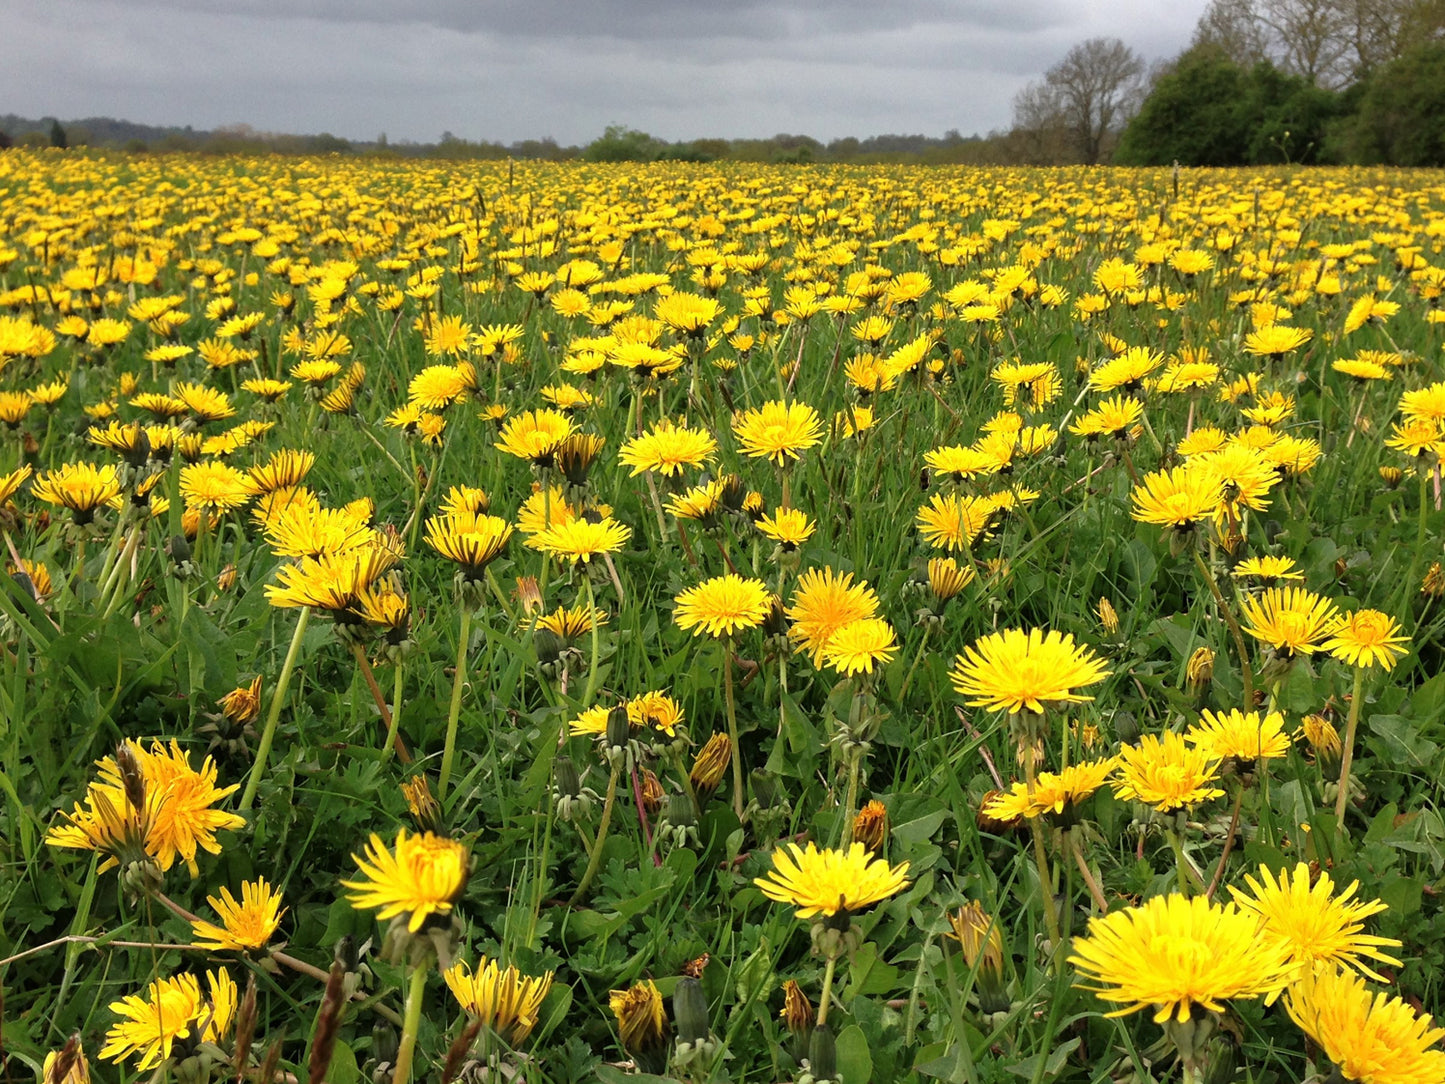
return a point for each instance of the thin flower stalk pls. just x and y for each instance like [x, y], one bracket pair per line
[273, 714]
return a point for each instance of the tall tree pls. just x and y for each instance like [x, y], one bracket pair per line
[1310, 38]
[1088, 96]
[1233, 28]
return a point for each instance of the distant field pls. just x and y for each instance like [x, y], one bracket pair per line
[504, 561]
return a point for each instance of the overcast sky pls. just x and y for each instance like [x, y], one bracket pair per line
[515, 69]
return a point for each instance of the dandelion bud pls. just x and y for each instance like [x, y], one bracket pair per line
[797, 1013]
[993, 825]
[1322, 736]
[652, 792]
[981, 941]
[689, 1010]
[1391, 476]
[565, 780]
[710, 766]
[643, 1025]
[548, 645]
[870, 826]
[1108, 617]
[424, 808]
[1200, 670]
[132, 777]
[226, 579]
[822, 1054]
[1434, 582]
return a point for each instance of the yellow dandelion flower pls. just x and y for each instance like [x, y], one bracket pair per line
[1014, 669]
[423, 875]
[829, 882]
[244, 926]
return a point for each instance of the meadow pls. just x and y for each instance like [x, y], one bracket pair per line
[566, 622]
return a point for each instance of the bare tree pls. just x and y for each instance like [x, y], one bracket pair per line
[1311, 38]
[1038, 136]
[1233, 27]
[1095, 87]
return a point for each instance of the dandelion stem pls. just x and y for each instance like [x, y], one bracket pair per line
[827, 994]
[392, 738]
[733, 727]
[1347, 758]
[388, 720]
[1236, 633]
[1100, 901]
[594, 860]
[917, 658]
[592, 677]
[415, 990]
[454, 712]
[268, 732]
[1228, 844]
[1041, 860]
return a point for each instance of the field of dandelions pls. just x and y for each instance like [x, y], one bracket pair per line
[562, 623]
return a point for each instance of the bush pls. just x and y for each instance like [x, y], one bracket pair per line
[1401, 120]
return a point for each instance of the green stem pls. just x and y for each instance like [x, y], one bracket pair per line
[827, 995]
[455, 711]
[268, 732]
[414, 991]
[592, 677]
[851, 802]
[733, 727]
[917, 658]
[391, 731]
[594, 860]
[1041, 860]
[1347, 758]
[1235, 632]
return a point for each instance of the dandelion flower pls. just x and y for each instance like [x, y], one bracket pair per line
[667, 448]
[1367, 637]
[1313, 923]
[422, 876]
[859, 646]
[504, 1000]
[723, 605]
[1236, 734]
[1014, 669]
[778, 431]
[244, 926]
[830, 881]
[1166, 773]
[1372, 1039]
[1173, 953]
[824, 602]
[1292, 620]
[1052, 792]
[170, 1010]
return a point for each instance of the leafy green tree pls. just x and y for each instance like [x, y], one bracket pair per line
[1401, 120]
[57, 135]
[1195, 115]
[618, 143]
[1289, 117]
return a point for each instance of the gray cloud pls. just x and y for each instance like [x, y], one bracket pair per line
[515, 69]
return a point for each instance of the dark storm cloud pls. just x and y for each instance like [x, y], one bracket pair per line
[509, 69]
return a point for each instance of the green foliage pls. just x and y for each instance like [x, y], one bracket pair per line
[1401, 119]
[622, 144]
[1208, 111]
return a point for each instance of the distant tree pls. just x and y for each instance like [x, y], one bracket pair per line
[1401, 119]
[618, 143]
[1232, 27]
[1310, 38]
[1040, 133]
[57, 135]
[5, 141]
[1194, 114]
[1088, 96]
[1289, 117]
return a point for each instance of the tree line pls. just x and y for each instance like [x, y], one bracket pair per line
[1262, 81]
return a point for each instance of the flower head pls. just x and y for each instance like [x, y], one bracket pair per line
[829, 881]
[1173, 953]
[581, 539]
[423, 875]
[1313, 923]
[1367, 637]
[824, 602]
[1373, 1039]
[667, 448]
[858, 646]
[502, 998]
[171, 1010]
[1014, 669]
[1236, 734]
[1051, 793]
[1293, 620]
[244, 926]
[723, 605]
[778, 431]
[1166, 773]
[473, 540]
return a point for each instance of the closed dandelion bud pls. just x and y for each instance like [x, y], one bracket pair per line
[1108, 617]
[425, 810]
[384, 1047]
[1324, 739]
[822, 1054]
[1433, 585]
[529, 594]
[548, 645]
[652, 792]
[870, 826]
[734, 493]
[179, 548]
[565, 780]
[1200, 670]
[642, 1024]
[226, 579]
[797, 1012]
[775, 621]
[689, 1013]
[768, 790]
[981, 941]
[1181, 540]
[1391, 476]
[710, 766]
